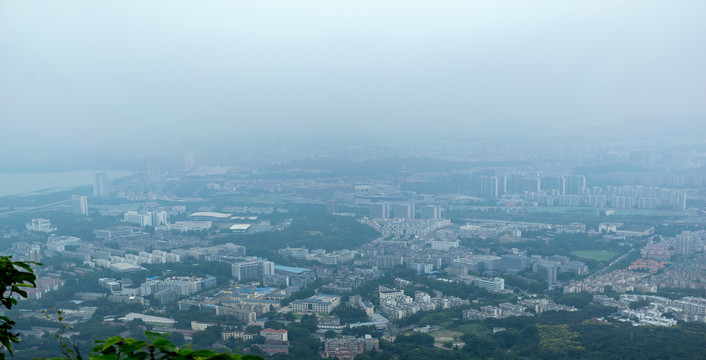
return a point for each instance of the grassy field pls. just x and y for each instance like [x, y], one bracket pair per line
[598, 255]
[442, 337]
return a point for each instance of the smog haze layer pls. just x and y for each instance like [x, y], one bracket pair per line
[81, 78]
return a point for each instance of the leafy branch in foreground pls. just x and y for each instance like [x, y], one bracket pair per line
[120, 348]
[15, 276]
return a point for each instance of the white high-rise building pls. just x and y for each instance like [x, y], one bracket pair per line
[251, 268]
[43, 225]
[380, 211]
[431, 212]
[101, 186]
[404, 211]
[136, 218]
[159, 218]
[80, 205]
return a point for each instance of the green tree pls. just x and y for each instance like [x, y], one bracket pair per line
[158, 348]
[15, 276]
[207, 337]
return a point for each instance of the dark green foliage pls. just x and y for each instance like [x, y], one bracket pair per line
[625, 262]
[350, 315]
[527, 281]
[253, 329]
[15, 277]
[481, 346]
[417, 339]
[274, 324]
[361, 331]
[316, 231]
[639, 303]
[157, 347]
[578, 300]
[207, 337]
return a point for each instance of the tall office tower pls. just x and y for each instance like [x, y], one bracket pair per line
[247, 269]
[252, 268]
[486, 186]
[431, 212]
[80, 205]
[575, 185]
[546, 268]
[531, 185]
[189, 161]
[404, 211]
[267, 268]
[491, 187]
[101, 186]
[502, 185]
[380, 211]
[515, 184]
[554, 183]
[685, 244]
[159, 218]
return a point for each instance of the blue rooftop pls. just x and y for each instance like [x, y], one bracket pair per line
[291, 269]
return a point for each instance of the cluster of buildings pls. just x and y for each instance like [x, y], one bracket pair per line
[320, 255]
[44, 285]
[154, 258]
[406, 226]
[385, 210]
[227, 252]
[507, 309]
[244, 302]
[687, 273]
[26, 251]
[655, 312]
[345, 280]
[657, 268]
[651, 266]
[41, 225]
[618, 281]
[159, 219]
[571, 191]
[688, 243]
[163, 290]
[394, 304]
[147, 218]
[624, 197]
[317, 304]
[275, 341]
[348, 347]
[514, 263]
[496, 228]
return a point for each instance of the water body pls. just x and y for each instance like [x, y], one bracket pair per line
[23, 183]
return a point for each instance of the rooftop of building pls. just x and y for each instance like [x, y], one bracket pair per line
[291, 269]
[211, 214]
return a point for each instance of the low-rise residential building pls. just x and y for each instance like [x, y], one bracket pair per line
[494, 284]
[274, 334]
[348, 347]
[320, 303]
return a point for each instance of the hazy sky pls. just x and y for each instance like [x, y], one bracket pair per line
[98, 71]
